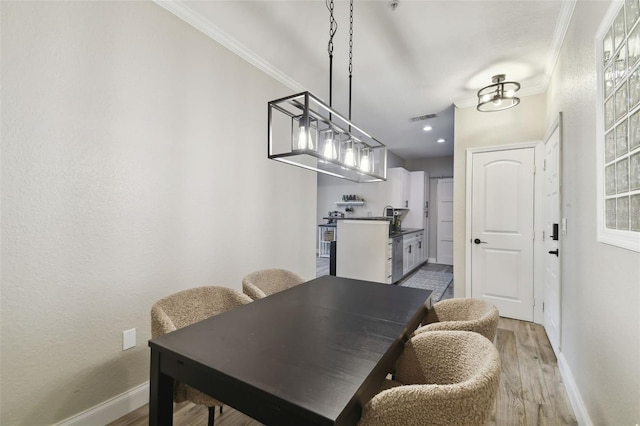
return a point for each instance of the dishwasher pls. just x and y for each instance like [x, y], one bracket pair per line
[396, 274]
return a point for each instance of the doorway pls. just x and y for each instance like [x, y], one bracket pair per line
[444, 253]
[501, 223]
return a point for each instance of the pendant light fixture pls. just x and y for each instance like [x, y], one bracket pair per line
[306, 132]
[498, 96]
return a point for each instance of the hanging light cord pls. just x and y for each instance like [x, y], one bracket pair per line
[333, 27]
[350, 53]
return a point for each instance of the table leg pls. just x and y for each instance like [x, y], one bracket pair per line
[160, 394]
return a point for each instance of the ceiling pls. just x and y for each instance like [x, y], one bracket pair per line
[423, 57]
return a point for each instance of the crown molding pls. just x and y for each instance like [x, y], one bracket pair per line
[564, 20]
[180, 9]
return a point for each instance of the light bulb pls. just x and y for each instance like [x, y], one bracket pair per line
[348, 157]
[497, 102]
[365, 161]
[510, 94]
[302, 138]
[486, 98]
[329, 146]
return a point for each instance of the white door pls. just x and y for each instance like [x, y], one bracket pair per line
[551, 215]
[502, 230]
[445, 222]
[425, 222]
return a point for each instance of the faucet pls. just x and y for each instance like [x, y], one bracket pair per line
[384, 211]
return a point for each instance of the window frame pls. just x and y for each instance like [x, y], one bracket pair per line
[627, 239]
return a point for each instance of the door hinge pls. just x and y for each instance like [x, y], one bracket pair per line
[542, 306]
[544, 165]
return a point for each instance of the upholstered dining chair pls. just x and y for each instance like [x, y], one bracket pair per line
[188, 307]
[442, 378]
[464, 314]
[266, 282]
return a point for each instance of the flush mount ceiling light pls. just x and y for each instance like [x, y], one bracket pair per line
[427, 128]
[441, 140]
[498, 96]
[306, 132]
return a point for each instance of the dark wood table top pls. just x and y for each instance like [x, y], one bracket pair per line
[313, 354]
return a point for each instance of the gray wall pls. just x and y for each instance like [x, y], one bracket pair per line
[436, 167]
[133, 166]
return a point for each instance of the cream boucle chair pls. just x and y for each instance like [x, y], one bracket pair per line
[266, 282]
[463, 314]
[443, 378]
[188, 307]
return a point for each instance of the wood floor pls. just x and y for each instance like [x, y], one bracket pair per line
[531, 391]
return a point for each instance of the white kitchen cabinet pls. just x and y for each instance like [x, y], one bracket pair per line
[418, 214]
[398, 187]
[413, 251]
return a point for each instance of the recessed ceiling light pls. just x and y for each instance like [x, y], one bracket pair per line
[427, 128]
[441, 140]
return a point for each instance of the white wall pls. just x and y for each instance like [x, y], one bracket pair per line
[133, 166]
[601, 283]
[600, 340]
[331, 189]
[436, 167]
[524, 123]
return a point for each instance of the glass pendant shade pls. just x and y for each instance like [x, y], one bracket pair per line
[329, 144]
[498, 96]
[365, 161]
[305, 132]
[350, 153]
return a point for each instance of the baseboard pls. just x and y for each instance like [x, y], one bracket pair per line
[579, 409]
[111, 409]
[431, 260]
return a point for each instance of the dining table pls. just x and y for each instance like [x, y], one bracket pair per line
[313, 354]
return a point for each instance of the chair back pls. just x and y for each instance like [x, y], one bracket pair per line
[190, 306]
[464, 314]
[266, 282]
[445, 378]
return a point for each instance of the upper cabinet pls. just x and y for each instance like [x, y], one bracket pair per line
[398, 187]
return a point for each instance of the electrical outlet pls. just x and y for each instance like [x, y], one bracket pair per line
[128, 339]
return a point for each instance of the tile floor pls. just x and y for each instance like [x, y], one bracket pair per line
[322, 268]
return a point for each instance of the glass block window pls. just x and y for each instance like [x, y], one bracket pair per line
[618, 43]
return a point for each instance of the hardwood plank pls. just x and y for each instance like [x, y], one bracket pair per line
[530, 368]
[509, 405]
[547, 356]
[188, 414]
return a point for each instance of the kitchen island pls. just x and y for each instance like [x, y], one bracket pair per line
[369, 250]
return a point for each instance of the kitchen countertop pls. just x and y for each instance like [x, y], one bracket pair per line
[405, 231]
[392, 234]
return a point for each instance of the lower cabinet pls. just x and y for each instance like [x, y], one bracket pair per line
[414, 252]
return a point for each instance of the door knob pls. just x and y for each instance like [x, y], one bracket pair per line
[554, 252]
[477, 241]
